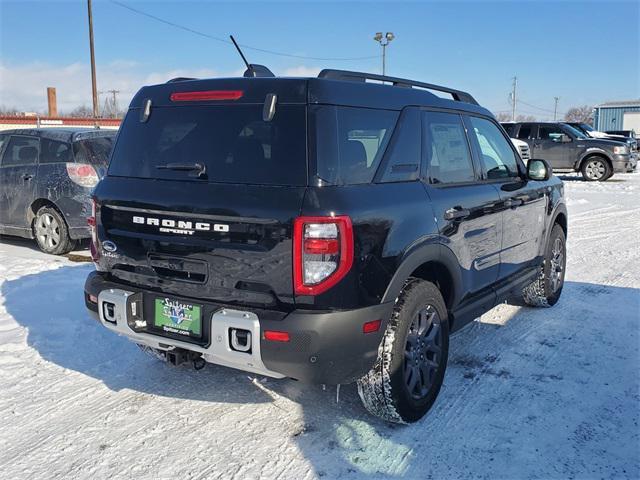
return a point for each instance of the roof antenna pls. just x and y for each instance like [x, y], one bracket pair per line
[253, 70]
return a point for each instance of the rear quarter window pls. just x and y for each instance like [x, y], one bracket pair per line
[350, 142]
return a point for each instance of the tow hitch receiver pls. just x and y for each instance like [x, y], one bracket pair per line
[178, 356]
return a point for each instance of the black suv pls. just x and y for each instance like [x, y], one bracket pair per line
[568, 149]
[326, 229]
[46, 179]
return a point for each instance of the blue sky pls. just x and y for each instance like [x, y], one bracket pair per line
[583, 52]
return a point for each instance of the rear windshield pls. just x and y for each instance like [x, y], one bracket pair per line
[94, 151]
[232, 142]
[350, 142]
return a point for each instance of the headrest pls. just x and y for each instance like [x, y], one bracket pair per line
[28, 154]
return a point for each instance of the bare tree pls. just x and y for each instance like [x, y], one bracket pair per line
[9, 111]
[82, 111]
[525, 118]
[583, 114]
[503, 117]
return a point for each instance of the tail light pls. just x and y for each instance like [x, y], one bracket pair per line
[82, 174]
[91, 221]
[322, 253]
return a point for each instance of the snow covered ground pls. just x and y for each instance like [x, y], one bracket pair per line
[528, 394]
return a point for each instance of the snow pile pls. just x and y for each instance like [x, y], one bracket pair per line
[552, 393]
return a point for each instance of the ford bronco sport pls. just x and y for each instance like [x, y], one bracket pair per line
[330, 230]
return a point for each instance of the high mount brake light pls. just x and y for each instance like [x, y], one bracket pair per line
[206, 95]
[322, 253]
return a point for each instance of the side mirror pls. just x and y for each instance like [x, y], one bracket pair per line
[539, 170]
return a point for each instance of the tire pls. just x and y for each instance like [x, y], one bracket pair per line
[386, 390]
[545, 291]
[51, 232]
[596, 169]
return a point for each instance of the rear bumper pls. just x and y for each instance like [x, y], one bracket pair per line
[324, 347]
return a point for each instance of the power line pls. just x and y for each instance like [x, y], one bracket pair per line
[223, 40]
[539, 108]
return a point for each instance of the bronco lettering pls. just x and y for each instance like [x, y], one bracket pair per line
[180, 226]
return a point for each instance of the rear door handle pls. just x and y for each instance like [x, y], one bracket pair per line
[27, 176]
[456, 213]
[513, 202]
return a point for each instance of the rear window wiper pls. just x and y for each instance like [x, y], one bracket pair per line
[185, 167]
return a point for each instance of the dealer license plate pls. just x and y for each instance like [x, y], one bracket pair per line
[177, 317]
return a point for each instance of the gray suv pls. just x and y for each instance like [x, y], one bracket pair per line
[567, 149]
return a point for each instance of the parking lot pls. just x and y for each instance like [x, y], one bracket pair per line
[529, 393]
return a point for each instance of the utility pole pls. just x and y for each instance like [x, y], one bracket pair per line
[94, 88]
[384, 40]
[513, 99]
[115, 102]
[111, 106]
[555, 109]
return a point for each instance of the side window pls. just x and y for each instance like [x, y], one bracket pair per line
[402, 160]
[446, 150]
[496, 154]
[3, 140]
[53, 151]
[550, 132]
[525, 132]
[21, 151]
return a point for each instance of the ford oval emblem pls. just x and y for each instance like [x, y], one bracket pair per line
[109, 246]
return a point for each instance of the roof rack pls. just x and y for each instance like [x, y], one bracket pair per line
[346, 75]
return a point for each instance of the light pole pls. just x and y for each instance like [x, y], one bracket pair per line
[384, 40]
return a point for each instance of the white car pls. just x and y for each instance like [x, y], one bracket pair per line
[523, 149]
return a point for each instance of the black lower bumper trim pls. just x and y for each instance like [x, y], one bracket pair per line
[328, 348]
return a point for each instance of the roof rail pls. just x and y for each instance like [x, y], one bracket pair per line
[180, 79]
[346, 75]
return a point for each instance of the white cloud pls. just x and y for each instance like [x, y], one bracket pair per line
[301, 71]
[24, 86]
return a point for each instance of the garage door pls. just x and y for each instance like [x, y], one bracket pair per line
[631, 121]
